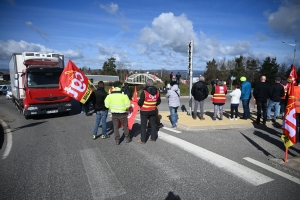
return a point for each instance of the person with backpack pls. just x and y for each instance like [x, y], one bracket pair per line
[173, 96]
[199, 92]
[127, 90]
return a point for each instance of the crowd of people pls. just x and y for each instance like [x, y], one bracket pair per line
[117, 100]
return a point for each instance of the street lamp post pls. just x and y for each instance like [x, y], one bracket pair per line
[294, 45]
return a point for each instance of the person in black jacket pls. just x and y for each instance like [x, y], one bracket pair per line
[199, 92]
[261, 94]
[127, 90]
[277, 91]
[100, 109]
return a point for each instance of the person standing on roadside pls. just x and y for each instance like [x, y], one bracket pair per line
[178, 75]
[235, 101]
[171, 77]
[149, 100]
[219, 99]
[261, 93]
[100, 109]
[173, 96]
[245, 97]
[118, 104]
[200, 92]
[127, 90]
[277, 91]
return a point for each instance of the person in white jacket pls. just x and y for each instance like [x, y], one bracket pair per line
[173, 96]
[235, 101]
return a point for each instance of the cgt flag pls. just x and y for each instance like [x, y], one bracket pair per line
[131, 113]
[293, 75]
[74, 83]
[289, 122]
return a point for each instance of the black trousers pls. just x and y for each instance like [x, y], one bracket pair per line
[235, 110]
[152, 120]
[262, 105]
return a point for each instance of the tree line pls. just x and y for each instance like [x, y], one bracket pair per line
[249, 67]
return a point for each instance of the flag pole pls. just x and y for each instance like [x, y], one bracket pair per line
[286, 154]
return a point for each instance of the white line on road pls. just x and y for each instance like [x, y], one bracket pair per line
[271, 169]
[102, 179]
[9, 140]
[234, 168]
[173, 130]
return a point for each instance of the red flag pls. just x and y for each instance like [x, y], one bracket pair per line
[154, 77]
[289, 122]
[135, 96]
[131, 113]
[293, 75]
[74, 83]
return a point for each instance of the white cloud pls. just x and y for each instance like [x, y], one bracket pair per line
[12, 46]
[111, 8]
[287, 19]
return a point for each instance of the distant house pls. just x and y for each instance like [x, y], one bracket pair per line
[105, 78]
[4, 76]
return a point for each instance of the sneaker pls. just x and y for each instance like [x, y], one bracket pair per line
[140, 141]
[202, 118]
[151, 139]
[274, 120]
[104, 136]
[231, 118]
[160, 125]
[174, 127]
[221, 118]
[235, 118]
[194, 117]
[214, 118]
[94, 137]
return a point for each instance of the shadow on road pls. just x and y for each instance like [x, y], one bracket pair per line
[1, 136]
[28, 125]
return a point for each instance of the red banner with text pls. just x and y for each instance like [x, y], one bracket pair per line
[74, 83]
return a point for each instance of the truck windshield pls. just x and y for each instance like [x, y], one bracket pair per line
[44, 80]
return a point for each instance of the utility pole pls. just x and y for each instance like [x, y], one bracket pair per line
[190, 71]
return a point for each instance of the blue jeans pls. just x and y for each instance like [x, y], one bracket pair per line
[277, 109]
[174, 116]
[100, 115]
[246, 108]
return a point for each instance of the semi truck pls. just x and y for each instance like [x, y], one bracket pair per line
[35, 83]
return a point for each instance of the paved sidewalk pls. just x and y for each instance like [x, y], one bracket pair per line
[186, 122]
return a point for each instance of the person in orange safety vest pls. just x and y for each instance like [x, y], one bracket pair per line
[148, 102]
[219, 98]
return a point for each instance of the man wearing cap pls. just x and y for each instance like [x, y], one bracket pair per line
[277, 91]
[245, 96]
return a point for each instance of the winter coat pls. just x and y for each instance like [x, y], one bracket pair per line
[173, 96]
[199, 91]
[246, 90]
[235, 96]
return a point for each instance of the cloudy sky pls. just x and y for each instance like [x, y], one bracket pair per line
[150, 34]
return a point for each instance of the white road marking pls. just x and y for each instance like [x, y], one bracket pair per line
[102, 179]
[173, 130]
[271, 169]
[9, 140]
[253, 177]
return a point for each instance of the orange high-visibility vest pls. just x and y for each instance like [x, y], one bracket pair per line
[220, 94]
[150, 101]
[297, 98]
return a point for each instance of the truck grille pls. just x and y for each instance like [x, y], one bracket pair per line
[50, 98]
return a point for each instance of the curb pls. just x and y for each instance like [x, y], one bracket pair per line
[7, 131]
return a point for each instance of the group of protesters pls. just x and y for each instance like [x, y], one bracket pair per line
[117, 100]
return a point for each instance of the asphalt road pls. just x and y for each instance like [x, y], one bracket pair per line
[54, 157]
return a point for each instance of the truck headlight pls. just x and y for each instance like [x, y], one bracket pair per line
[32, 108]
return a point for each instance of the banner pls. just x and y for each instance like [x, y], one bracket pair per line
[74, 83]
[131, 113]
[293, 75]
[289, 122]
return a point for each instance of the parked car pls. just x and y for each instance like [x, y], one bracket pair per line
[9, 94]
[4, 89]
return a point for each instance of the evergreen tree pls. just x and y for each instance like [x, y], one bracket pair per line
[211, 70]
[109, 67]
[269, 69]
